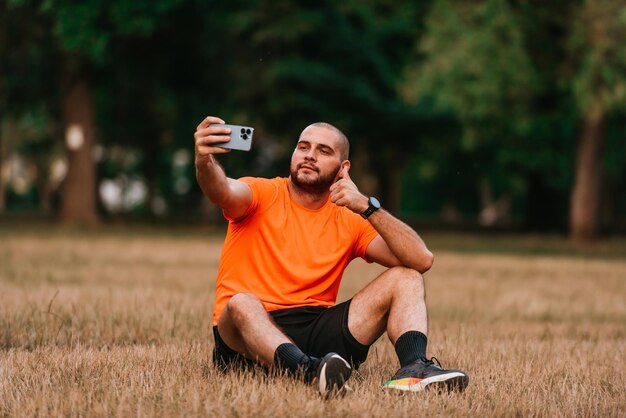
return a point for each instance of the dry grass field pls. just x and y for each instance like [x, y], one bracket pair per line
[116, 322]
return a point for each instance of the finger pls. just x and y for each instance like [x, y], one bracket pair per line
[208, 136]
[204, 150]
[336, 186]
[209, 120]
[212, 130]
[344, 173]
[213, 139]
[336, 196]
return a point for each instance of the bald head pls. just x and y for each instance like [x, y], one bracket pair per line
[344, 144]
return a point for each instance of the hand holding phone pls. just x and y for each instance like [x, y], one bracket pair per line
[240, 137]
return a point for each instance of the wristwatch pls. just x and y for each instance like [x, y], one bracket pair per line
[374, 205]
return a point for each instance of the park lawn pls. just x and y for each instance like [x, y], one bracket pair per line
[116, 322]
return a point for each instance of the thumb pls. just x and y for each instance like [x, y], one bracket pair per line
[344, 173]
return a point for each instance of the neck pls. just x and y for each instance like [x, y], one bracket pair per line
[308, 198]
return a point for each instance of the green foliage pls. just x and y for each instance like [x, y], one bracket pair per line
[328, 60]
[440, 96]
[475, 66]
[140, 17]
[86, 27]
[597, 43]
[75, 25]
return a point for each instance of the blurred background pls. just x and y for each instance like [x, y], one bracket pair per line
[475, 115]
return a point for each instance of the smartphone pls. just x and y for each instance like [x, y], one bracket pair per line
[240, 137]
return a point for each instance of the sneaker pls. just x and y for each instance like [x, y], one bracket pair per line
[421, 373]
[332, 373]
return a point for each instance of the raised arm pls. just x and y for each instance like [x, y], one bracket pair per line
[233, 196]
[397, 244]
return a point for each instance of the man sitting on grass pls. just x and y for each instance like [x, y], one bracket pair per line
[289, 241]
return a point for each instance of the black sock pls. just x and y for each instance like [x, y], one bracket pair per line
[290, 357]
[411, 346]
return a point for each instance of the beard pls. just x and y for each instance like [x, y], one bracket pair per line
[321, 184]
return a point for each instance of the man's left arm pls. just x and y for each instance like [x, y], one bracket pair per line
[397, 244]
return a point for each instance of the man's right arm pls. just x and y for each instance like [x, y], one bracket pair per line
[233, 196]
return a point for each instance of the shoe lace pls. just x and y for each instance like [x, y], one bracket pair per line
[433, 360]
[418, 367]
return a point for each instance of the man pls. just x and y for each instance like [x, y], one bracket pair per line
[288, 243]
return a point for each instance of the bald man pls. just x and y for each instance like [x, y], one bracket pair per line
[288, 243]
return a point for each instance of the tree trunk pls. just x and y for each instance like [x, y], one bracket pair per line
[78, 198]
[585, 201]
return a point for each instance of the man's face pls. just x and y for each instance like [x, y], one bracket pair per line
[316, 160]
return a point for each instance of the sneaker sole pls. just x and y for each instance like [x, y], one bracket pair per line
[448, 381]
[333, 376]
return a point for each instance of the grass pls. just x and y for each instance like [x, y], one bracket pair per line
[116, 322]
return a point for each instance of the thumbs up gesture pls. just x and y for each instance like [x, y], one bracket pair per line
[345, 193]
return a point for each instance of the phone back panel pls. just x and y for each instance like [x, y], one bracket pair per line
[240, 137]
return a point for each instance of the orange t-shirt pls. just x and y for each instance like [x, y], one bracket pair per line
[285, 254]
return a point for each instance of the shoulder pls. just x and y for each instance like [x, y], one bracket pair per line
[264, 190]
[261, 180]
[262, 184]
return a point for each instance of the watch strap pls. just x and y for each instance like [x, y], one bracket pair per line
[370, 209]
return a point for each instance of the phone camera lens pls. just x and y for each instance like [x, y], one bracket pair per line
[243, 131]
[248, 131]
[244, 136]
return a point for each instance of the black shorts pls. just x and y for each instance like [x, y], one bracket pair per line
[316, 330]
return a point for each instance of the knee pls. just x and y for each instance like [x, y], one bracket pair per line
[242, 304]
[407, 280]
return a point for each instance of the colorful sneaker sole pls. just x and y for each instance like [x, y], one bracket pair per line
[449, 381]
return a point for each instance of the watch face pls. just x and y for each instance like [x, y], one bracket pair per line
[374, 202]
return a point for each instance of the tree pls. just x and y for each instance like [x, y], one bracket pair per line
[82, 31]
[599, 84]
[152, 102]
[474, 65]
[78, 204]
[519, 76]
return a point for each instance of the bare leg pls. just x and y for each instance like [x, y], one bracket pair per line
[393, 302]
[246, 327]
